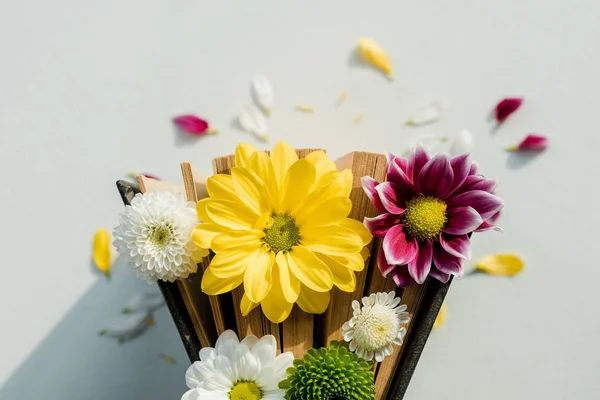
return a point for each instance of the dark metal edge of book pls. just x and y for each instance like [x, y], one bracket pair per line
[430, 306]
[170, 291]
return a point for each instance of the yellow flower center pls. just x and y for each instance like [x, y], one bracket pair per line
[424, 217]
[283, 234]
[245, 390]
[160, 236]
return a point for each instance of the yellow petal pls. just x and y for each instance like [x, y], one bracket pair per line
[332, 240]
[203, 234]
[299, 179]
[249, 188]
[101, 251]
[441, 317]
[313, 302]
[258, 276]
[233, 240]
[262, 166]
[246, 305]
[332, 184]
[343, 277]
[213, 285]
[359, 228]
[355, 262]
[220, 185]
[230, 214]
[365, 253]
[283, 156]
[373, 54]
[232, 263]
[201, 209]
[309, 269]
[305, 108]
[274, 306]
[288, 281]
[500, 264]
[331, 211]
[242, 153]
[321, 162]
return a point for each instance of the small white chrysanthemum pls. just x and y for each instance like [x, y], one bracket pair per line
[234, 370]
[154, 235]
[376, 326]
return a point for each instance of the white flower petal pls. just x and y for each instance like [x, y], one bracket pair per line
[461, 143]
[253, 121]
[146, 302]
[262, 93]
[426, 115]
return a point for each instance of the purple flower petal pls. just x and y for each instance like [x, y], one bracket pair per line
[460, 167]
[389, 197]
[458, 246]
[490, 224]
[462, 220]
[506, 107]
[447, 263]
[402, 277]
[399, 250]
[474, 168]
[485, 203]
[532, 142]
[439, 275]
[379, 225]
[417, 160]
[436, 177]
[420, 266]
[402, 184]
[191, 124]
[368, 185]
[383, 265]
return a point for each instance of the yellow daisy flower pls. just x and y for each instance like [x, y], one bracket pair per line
[279, 225]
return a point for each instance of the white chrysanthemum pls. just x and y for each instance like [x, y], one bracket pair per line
[376, 325]
[154, 235]
[234, 370]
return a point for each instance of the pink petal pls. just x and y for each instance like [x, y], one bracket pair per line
[436, 177]
[398, 249]
[506, 107]
[457, 245]
[379, 225]
[417, 160]
[420, 266]
[474, 168]
[402, 277]
[402, 184]
[490, 224]
[475, 182]
[368, 185]
[532, 142]
[439, 275]
[191, 124]
[383, 265]
[389, 197]
[447, 263]
[462, 220]
[485, 203]
[460, 167]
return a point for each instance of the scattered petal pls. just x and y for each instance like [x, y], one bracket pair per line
[193, 125]
[506, 107]
[134, 175]
[427, 115]
[501, 264]
[306, 109]
[128, 326]
[262, 93]
[441, 317]
[358, 119]
[371, 53]
[342, 98]
[167, 358]
[253, 121]
[532, 142]
[146, 302]
[462, 143]
[101, 251]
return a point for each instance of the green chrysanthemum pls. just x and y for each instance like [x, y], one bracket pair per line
[330, 374]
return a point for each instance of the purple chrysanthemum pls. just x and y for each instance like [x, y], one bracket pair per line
[428, 207]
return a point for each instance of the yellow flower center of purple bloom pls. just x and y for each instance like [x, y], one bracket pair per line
[424, 217]
[283, 234]
[245, 390]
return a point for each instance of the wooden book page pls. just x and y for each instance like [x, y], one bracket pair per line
[340, 308]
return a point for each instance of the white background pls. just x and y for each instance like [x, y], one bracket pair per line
[87, 90]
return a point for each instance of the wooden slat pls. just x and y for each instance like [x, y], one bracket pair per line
[298, 332]
[340, 309]
[191, 184]
[195, 301]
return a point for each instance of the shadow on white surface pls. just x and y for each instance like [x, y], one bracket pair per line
[74, 362]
